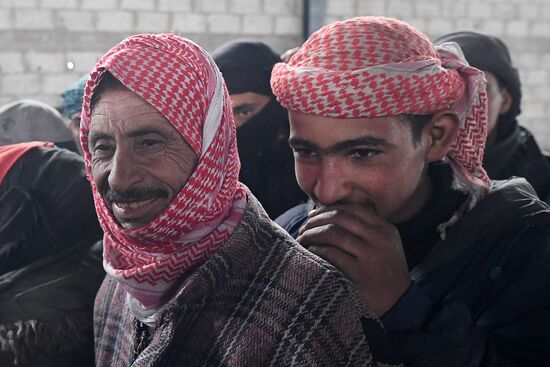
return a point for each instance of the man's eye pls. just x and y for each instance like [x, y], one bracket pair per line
[243, 113]
[150, 142]
[363, 154]
[101, 149]
[150, 145]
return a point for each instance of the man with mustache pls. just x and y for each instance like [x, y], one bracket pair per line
[388, 135]
[197, 274]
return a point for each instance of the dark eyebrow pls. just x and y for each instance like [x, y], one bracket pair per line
[363, 140]
[340, 146]
[303, 143]
[93, 137]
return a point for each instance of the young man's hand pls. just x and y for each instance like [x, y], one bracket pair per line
[367, 249]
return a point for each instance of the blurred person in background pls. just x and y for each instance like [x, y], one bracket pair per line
[29, 120]
[50, 257]
[267, 165]
[71, 106]
[511, 149]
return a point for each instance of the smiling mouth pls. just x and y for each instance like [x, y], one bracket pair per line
[133, 204]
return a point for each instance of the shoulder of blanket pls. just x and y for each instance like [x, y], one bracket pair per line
[334, 278]
[302, 270]
[110, 299]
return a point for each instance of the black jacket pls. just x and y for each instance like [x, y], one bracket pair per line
[50, 261]
[516, 153]
[479, 298]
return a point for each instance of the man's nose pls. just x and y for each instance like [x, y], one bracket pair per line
[332, 184]
[125, 170]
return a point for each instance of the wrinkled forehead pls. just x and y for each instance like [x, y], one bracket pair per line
[177, 91]
[120, 106]
[114, 107]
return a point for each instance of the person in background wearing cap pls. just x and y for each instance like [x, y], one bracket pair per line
[71, 106]
[511, 149]
[197, 273]
[267, 165]
[388, 135]
[29, 120]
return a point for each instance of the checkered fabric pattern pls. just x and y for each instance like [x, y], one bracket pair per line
[375, 66]
[179, 79]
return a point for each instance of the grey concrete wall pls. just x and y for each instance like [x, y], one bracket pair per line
[39, 37]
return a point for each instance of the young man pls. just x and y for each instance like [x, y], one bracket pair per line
[267, 165]
[511, 148]
[388, 136]
[197, 273]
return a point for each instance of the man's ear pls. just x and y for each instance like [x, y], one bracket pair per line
[440, 133]
[506, 101]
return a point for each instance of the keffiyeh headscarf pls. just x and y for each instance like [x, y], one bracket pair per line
[375, 66]
[180, 80]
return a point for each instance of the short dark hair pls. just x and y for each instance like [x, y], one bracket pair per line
[417, 124]
[107, 82]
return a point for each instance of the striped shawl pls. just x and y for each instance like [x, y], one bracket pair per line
[261, 300]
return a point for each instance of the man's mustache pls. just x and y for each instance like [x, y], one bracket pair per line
[134, 194]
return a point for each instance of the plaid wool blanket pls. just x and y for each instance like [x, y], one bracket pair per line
[261, 300]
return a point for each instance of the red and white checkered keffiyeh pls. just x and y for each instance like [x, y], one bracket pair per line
[375, 66]
[180, 80]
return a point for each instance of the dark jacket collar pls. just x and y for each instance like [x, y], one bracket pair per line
[498, 155]
[419, 233]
